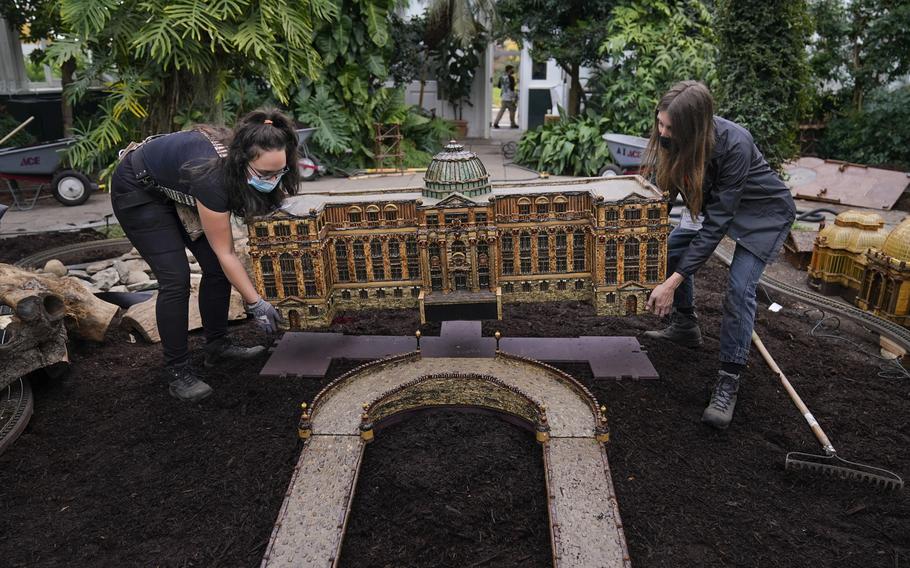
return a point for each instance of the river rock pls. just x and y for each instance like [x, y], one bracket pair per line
[119, 288]
[136, 277]
[96, 267]
[56, 267]
[124, 267]
[139, 287]
[106, 278]
[79, 274]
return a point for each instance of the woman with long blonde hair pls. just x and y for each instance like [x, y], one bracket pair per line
[728, 189]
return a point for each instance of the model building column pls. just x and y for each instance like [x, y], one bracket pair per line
[424, 252]
[570, 249]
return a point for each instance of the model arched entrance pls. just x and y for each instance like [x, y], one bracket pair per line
[585, 527]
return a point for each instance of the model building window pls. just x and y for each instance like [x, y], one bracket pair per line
[452, 218]
[413, 258]
[631, 256]
[415, 292]
[480, 218]
[398, 293]
[651, 260]
[432, 220]
[346, 295]
[525, 286]
[373, 214]
[314, 311]
[561, 285]
[288, 275]
[579, 284]
[611, 298]
[268, 277]
[391, 213]
[543, 206]
[508, 255]
[301, 229]
[653, 214]
[483, 265]
[458, 247]
[508, 288]
[355, 215]
[610, 262]
[309, 276]
[282, 230]
[524, 252]
[435, 267]
[543, 253]
[364, 295]
[380, 293]
[262, 230]
[578, 252]
[631, 214]
[376, 259]
[560, 205]
[394, 259]
[544, 286]
[360, 261]
[612, 215]
[524, 206]
[561, 254]
[341, 261]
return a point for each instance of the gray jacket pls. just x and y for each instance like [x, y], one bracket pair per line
[743, 198]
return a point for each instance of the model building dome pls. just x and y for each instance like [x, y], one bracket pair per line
[456, 170]
[897, 245]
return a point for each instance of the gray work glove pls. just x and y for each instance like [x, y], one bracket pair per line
[266, 316]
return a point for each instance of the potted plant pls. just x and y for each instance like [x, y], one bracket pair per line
[456, 67]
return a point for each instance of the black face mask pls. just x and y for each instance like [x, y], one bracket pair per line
[665, 142]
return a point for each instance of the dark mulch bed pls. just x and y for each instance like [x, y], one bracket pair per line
[13, 249]
[113, 472]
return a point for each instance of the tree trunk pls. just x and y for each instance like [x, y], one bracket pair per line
[67, 70]
[575, 91]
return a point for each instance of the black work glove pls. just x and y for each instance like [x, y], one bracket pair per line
[266, 316]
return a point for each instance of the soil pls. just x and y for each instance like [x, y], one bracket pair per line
[13, 249]
[113, 472]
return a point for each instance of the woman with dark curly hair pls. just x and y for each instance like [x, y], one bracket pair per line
[728, 189]
[178, 191]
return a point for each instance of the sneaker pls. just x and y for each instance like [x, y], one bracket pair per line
[683, 330]
[719, 412]
[495, 126]
[224, 348]
[185, 385]
[514, 126]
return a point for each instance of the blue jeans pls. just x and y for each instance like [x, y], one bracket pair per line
[739, 301]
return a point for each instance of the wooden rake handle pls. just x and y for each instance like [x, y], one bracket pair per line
[816, 428]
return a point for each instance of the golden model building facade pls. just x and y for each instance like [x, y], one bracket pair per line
[839, 253]
[459, 242]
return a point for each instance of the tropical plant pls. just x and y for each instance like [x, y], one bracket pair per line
[569, 31]
[457, 66]
[762, 71]
[160, 58]
[878, 135]
[859, 46]
[8, 123]
[649, 46]
[571, 147]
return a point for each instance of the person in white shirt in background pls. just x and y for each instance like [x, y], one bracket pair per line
[508, 96]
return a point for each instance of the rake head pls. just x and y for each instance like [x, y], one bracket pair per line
[837, 467]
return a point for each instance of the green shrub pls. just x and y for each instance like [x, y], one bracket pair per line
[879, 134]
[7, 124]
[569, 147]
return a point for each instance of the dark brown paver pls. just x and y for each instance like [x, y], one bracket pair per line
[307, 354]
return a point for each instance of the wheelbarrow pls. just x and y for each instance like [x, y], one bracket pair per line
[307, 164]
[627, 152]
[41, 164]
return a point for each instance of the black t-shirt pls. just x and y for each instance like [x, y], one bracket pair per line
[168, 159]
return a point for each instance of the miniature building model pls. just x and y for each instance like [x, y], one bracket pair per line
[886, 281]
[839, 255]
[460, 246]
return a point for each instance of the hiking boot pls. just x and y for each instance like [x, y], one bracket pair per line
[683, 330]
[224, 348]
[185, 384]
[719, 412]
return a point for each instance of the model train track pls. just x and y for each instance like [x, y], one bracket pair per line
[113, 246]
[16, 406]
[896, 333]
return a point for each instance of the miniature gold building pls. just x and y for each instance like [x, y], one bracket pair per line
[459, 247]
[839, 255]
[886, 281]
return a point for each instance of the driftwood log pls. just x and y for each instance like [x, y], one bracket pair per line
[140, 318]
[36, 314]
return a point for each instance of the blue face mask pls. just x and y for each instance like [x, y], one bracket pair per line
[262, 185]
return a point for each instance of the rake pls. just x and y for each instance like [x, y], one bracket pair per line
[829, 464]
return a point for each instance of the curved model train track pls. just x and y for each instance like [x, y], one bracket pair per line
[113, 246]
[896, 333]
